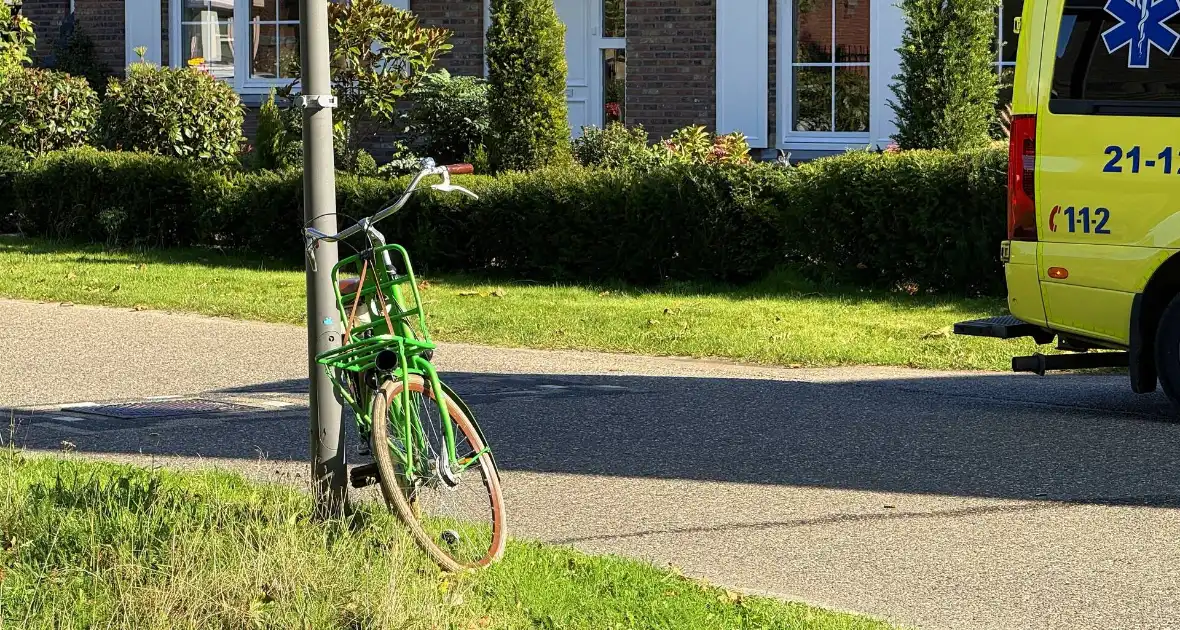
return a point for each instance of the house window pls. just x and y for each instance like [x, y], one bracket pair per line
[614, 81]
[252, 44]
[829, 67]
[274, 39]
[612, 51]
[207, 36]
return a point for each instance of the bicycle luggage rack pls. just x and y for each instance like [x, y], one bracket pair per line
[392, 325]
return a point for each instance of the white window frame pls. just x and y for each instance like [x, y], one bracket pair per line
[1000, 63]
[599, 44]
[242, 82]
[821, 140]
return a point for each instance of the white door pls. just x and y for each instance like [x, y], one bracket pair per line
[579, 83]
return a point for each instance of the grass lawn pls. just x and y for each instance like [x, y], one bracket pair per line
[781, 320]
[89, 545]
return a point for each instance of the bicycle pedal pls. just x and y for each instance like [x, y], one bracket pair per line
[364, 475]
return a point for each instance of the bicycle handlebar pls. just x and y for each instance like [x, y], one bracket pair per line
[313, 236]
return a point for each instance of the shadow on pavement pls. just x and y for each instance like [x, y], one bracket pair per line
[1082, 439]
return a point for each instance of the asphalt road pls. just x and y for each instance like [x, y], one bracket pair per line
[938, 500]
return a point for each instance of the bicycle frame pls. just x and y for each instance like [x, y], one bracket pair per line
[365, 352]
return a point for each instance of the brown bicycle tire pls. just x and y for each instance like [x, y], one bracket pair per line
[395, 494]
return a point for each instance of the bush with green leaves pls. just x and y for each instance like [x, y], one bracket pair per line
[17, 39]
[75, 55]
[527, 74]
[43, 110]
[619, 146]
[615, 146]
[449, 118]
[278, 141]
[379, 53]
[946, 90]
[927, 221]
[179, 112]
[695, 145]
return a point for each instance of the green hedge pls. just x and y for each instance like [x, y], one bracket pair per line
[925, 220]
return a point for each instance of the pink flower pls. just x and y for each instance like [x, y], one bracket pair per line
[614, 111]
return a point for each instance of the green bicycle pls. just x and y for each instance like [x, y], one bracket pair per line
[431, 460]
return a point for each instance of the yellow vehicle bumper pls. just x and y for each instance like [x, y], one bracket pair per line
[1024, 283]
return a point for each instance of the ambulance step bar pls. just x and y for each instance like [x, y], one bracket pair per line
[1006, 327]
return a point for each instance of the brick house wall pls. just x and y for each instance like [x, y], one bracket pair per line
[464, 18]
[671, 64]
[47, 16]
[103, 21]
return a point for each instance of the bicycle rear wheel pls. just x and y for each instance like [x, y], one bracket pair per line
[455, 514]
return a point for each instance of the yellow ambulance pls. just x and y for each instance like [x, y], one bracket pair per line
[1094, 190]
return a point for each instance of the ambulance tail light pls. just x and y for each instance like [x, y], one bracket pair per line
[1022, 157]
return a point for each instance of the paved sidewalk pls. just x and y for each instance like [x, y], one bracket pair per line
[933, 499]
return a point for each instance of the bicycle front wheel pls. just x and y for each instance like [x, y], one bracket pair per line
[453, 509]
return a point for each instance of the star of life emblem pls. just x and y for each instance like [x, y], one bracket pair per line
[1141, 27]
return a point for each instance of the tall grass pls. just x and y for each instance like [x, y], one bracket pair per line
[91, 545]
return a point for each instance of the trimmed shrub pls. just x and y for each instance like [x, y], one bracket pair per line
[43, 110]
[114, 197]
[450, 116]
[947, 89]
[918, 221]
[180, 112]
[12, 162]
[529, 125]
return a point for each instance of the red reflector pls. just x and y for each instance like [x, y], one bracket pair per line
[1058, 273]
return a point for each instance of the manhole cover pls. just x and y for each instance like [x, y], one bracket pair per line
[160, 408]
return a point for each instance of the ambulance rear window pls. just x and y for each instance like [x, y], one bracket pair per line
[1115, 57]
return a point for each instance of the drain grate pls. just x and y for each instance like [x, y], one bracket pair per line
[160, 408]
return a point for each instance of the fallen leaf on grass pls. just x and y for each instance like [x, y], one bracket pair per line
[499, 293]
[604, 294]
[652, 322]
[732, 597]
[71, 276]
[941, 333]
[139, 307]
[469, 293]
[423, 285]
[66, 304]
[116, 288]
